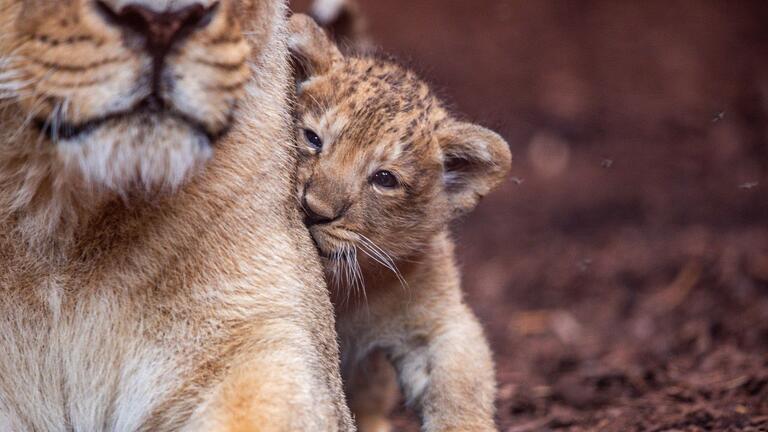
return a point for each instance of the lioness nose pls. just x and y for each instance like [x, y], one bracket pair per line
[161, 29]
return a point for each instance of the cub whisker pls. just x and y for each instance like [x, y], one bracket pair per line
[382, 257]
[346, 273]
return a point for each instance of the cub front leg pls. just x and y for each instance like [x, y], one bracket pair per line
[445, 369]
[371, 388]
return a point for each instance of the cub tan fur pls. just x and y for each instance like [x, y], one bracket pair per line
[384, 169]
[345, 21]
[155, 272]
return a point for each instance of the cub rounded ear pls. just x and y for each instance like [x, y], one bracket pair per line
[475, 160]
[345, 21]
[310, 46]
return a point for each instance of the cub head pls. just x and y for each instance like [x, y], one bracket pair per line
[384, 167]
[123, 94]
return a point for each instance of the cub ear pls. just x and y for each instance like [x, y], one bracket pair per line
[475, 160]
[345, 21]
[311, 47]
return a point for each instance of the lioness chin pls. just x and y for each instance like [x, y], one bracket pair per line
[155, 275]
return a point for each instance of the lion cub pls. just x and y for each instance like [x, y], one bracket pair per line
[384, 169]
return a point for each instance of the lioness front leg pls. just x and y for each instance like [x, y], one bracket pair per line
[280, 386]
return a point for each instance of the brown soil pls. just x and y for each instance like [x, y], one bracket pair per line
[622, 273]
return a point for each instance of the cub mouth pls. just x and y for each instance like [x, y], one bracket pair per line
[326, 254]
[328, 246]
[58, 130]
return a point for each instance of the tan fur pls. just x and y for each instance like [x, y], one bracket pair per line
[387, 250]
[345, 21]
[155, 278]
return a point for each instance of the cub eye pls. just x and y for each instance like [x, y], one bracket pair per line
[313, 139]
[385, 179]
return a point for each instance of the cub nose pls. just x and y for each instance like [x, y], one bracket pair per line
[316, 212]
[160, 29]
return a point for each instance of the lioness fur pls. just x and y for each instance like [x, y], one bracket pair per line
[155, 272]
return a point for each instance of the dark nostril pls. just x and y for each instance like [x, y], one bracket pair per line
[160, 28]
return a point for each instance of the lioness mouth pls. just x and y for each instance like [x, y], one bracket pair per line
[57, 130]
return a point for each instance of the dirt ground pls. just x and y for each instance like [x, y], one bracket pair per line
[622, 271]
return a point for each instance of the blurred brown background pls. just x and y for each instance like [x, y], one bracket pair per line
[622, 272]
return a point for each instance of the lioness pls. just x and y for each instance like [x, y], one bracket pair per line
[155, 273]
[384, 169]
